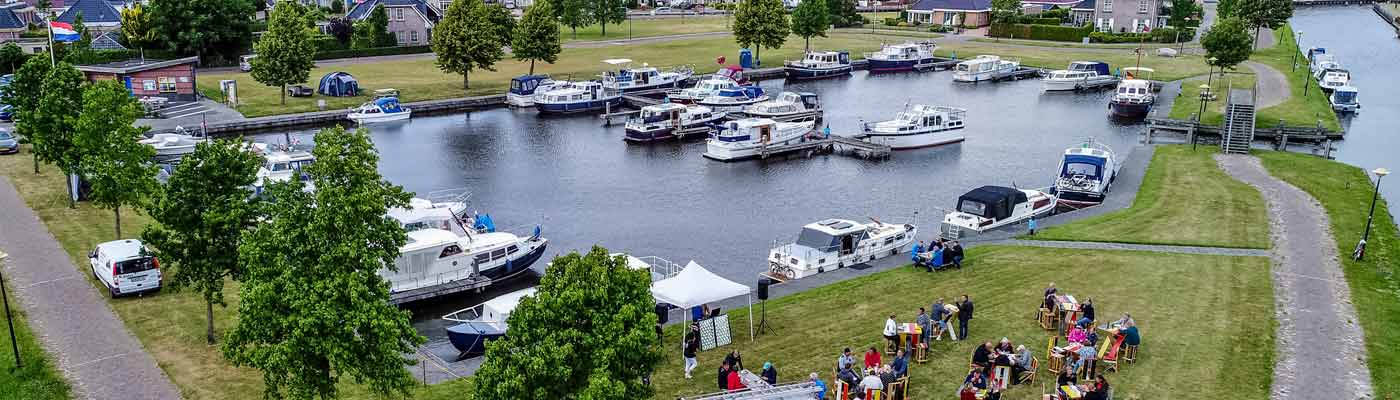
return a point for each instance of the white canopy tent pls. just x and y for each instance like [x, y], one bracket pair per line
[695, 286]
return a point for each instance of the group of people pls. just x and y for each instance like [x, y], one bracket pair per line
[1098, 389]
[876, 376]
[934, 324]
[729, 378]
[938, 254]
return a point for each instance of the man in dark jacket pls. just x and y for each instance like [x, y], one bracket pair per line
[724, 376]
[964, 315]
[692, 345]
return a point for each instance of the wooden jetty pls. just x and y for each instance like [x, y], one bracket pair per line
[475, 282]
[1282, 135]
[814, 145]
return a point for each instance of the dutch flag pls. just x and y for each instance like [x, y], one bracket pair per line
[63, 32]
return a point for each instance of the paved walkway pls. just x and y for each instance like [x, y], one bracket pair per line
[1210, 251]
[1321, 352]
[1271, 84]
[98, 356]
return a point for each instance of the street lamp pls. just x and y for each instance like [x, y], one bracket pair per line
[9, 320]
[1361, 246]
[1211, 62]
[1297, 44]
[1200, 115]
[628, 16]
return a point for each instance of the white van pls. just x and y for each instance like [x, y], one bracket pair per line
[125, 267]
[245, 63]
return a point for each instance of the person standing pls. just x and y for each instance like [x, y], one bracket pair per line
[924, 326]
[892, 332]
[735, 362]
[914, 255]
[964, 315]
[939, 312]
[692, 345]
[1031, 224]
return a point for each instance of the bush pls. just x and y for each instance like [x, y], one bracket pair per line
[892, 21]
[1040, 32]
[1159, 35]
[1039, 21]
[328, 43]
[373, 51]
[937, 28]
[915, 23]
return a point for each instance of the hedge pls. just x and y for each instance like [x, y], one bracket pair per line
[370, 52]
[1159, 35]
[1039, 21]
[1040, 32]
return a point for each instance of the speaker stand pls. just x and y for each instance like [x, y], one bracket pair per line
[763, 317]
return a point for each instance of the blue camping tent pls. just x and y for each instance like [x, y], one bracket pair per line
[339, 84]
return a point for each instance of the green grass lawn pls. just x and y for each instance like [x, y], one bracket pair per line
[1299, 110]
[1185, 199]
[1345, 191]
[1207, 322]
[169, 325]
[38, 380]
[1189, 102]
[1167, 68]
[418, 79]
[648, 27]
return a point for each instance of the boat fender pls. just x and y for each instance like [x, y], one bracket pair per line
[821, 269]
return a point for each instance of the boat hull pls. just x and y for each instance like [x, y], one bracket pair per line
[576, 107]
[1079, 198]
[732, 106]
[468, 340]
[964, 231]
[916, 140]
[520, 263]
[877, 65]
[727, 153]
[787, 117]
[640, 88]
[1129, 110]
[520, 100]
[1061, 85]
[800, 73]
[380, 117]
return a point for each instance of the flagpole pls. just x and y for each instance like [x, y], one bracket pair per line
[53, 59]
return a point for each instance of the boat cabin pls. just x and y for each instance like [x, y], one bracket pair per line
[288, 162]
[907, 51]
[490, 317]
[747, 129]
[1084, 161]
[981, 63]
[579, 91]
[789, 102]
[991, 202]
[1134, 88]
[1089, 66]
[1344, 99]
[526, 84]
[832, 235]
[627, 77]
[923, 116]
[826, 58]
[383, 105]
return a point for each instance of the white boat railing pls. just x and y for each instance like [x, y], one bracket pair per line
[661, 268]
[442, 278]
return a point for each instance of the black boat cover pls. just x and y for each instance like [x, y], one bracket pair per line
[999, 201]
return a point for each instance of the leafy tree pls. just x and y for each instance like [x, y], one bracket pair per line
[313, 308]
[1260, 14]
[536, 37]
[373, 31]
[843, 13]
[200, 217]
[137, 28]
[55, 118]
[215, 30]
[11, 57]
[466, 39]
[341, 29]
[1005, 11]
[502, 22]
[574, 13]
[810, 19]
[607, 12]
[23, 95]
[587, 333]
[1226, 9]
[113, 160]
[1228, 42]
[759, 23]
[1181, 10]
[338, 7]
[285, 52]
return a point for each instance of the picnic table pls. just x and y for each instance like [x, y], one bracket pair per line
[752, 381]
[1069, 310]
[905, 329]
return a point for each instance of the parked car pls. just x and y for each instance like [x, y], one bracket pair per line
[245, 63]
[661, 10]
[125, 267]
[510, 4]
[8, 143]
[7, 113]
[300, 91]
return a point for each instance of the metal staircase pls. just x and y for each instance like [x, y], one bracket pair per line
[1239, 122]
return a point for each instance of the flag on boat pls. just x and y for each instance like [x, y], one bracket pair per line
[63, 32]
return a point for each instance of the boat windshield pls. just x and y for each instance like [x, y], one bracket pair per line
[1344, 97]
[816, 239]
[972, 207]
[1085, 169]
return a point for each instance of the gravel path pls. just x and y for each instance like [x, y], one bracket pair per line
[1272, 85]
[1321, 353]
[79, 331]
[1210, 251]
[1266, 39]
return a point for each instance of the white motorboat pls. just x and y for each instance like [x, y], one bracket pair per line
[984, 68]
[788, 106]
[383, 109]
[902, 57]
[1333, 78]
[734, 99]
[991, 207]
[577, 97]
[1344, 99]
[819, 64]
[832, 244]
[444, 247]
[1079, 75]
[746, 138]
[627, 79]
[1133, 98]
[1086, 174]
[1321, 63]
[524, 88]
[920, 126]
[726, 78]
[668, 120]
[281, 164]
[174, 144]
[473, 326]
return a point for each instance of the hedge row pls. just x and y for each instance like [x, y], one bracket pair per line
[1040, 32]
[1159, 35]
[377, 51]
[1039, 21]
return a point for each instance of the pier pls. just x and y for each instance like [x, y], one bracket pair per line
[814, 145]
[475, 283]
[1280, 136]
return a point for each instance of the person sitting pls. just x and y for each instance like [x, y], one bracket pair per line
[1087, 355]
[1087, 310]
[982, 355]
[821, 394]
[886, 375]
[1076, 334]
[1120, 323]
[735, 361]
[957, 251]
[723, 376]
[967, 393]
[1099, 390]
[769, 373]
[1049, 303]
[915, 254]
[871, 381]
[1066, 377]
[872, 358]
[846, 360]
[938, 258]
[849, 376]
[976, 379]
[1051, 290]
[900, 366]
[1004, 346]
[1024, 360]
[1130, 334]
[735, 382]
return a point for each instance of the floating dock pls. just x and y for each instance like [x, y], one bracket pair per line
[814, 145]
[473, 283]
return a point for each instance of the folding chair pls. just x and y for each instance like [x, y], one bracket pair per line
[899, 389]
[841, 390]
[1047, 319]
[921, 353]
[1110, 357]
[1028, 376]
[874, 394]
[1130, 354]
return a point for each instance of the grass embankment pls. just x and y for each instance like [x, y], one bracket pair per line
[169, 325]
[1185, 199]
[38, 380]
[418, 79]
[1167, 68]
[648, 27]
[1207, 322]
[1345, 191]
[1189, 101]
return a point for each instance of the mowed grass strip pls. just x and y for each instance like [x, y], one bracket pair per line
[648, 27]
[170, 325]
[1207, 322]
[1186, 200]
[37, 380]
[1301, 109]
[1189, 101]
[419, 79]
[1345, 191]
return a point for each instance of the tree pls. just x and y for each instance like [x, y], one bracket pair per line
[54, 121]
[1226, 9]
[501, 22]
[759, 23]
[586, 333]
[341, 29]
[113, 161]
[313, 308]
[607, 12]
[843, 13]
[1181, 10]
[536, 37]
[199, 219]
[574, 13]
[285, 53]
[1258, 14]
[337, 7]
[214, 30]
[466, 40]
[11, 57]
[810, 19]
[79, 52]
[1228, 42]
[1005, 11]
[373, 31]
[137, 28]
[23, 96]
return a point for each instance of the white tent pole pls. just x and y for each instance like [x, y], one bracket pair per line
[750, 296]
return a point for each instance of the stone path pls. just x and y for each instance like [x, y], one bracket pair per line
[1272, 85]
[1210, 251]
[1321, 351]
[79, 331]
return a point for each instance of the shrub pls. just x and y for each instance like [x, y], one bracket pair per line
[1039, 21]
[915, 23]
[373, 51]
[938, 28]
[892, 21]
[1159, 35]
[1040, 32]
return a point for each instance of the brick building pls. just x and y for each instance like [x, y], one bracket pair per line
[171, 79]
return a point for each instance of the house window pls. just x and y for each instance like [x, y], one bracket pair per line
[167, 84]
[413, 36]
[399, 34]
[1107, 5]
[1142, 6]
[398, 13]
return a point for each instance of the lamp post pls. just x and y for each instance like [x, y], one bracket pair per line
[1211, 62]
[1297, 44]
[629, 21]
[9, 320]
[1361, 246]
[1200, 115]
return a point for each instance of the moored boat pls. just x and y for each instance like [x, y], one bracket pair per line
[734, 99]
[1332, 78]
[666, 120]
[1086, 174]
[788, 106]
[628, 79]
[474, 326]
[984, 68]
[819, 64]
[383, 109]
[1079, 75]
[174, 144]
[280, 164]
[991, 207]
[745, 138]
[577, 97]
[902, 57]
[832, 244]
[1344, 99]
[524, 88]
[1133, 98]
[919, 126]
